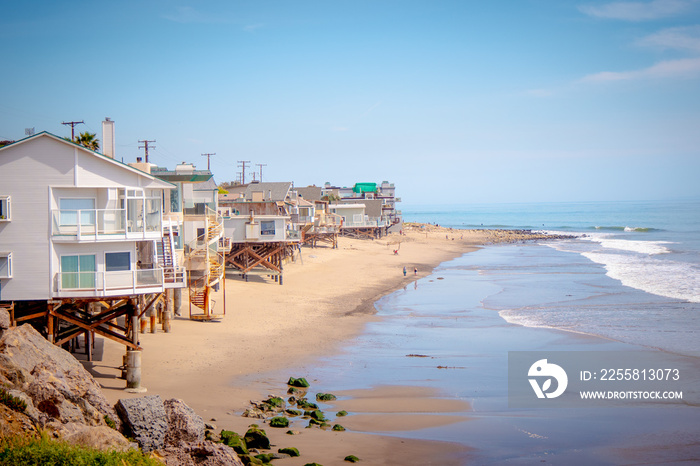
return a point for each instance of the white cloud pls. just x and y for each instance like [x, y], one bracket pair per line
[253, 27]
[639, 11]
[681, 38]
[683, 68]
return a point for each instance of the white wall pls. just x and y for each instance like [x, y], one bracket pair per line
[27, 169]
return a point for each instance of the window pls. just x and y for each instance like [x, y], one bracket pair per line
[115, 261]
[200, 234]
[4, 208]
[71, 208]
[5, 265]
[267, 227]
[78, 271]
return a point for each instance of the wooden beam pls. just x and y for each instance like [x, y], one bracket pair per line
[100, 331]
[31, 316]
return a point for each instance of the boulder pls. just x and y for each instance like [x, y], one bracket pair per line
[58, 385]
[98, 437]
[300, 382]
[183, 423]
[235, 441]
[204, 453]
[255, 437]
[146, 420]
[279, 421]
[291, 451]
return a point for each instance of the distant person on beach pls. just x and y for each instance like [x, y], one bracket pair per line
[415, 271]
[404, 271]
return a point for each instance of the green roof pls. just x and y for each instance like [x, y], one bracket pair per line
[364, 188]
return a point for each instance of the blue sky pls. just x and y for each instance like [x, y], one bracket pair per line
[456, 101]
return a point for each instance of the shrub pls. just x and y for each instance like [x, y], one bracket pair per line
[12, 402]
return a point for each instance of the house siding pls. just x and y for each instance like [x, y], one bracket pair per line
[29, 171]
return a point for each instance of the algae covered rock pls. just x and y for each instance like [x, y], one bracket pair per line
[300, 382]
[265, 457]
[248, 459]
[291, 451]
[303, 403]
[352, 458]
[325, 397]
[341, 413]
[316, 414]
[279, 421]
[255, 437]
[293, 412]
[338, 428]
[275, 402]
[235, 441]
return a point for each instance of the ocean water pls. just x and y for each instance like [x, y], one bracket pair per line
[628, 282]
[650, 250]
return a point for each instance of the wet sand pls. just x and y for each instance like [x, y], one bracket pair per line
[327, 297]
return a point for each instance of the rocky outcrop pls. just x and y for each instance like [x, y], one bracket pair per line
[145, 420]
[45, 387]
[57, 387]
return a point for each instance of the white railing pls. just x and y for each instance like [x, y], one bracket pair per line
[174, 277]
[293, 234]
[364, 224]
[106, 223]
[109, 283]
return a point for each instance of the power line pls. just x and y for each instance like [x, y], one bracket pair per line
[208, 156]
[261, 165]
[145, 147]
[72, 127]
[242, 163]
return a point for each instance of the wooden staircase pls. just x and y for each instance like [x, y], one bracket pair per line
[204, 250]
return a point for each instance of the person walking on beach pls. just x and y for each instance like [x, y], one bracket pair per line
[404, 271]
[415, 271]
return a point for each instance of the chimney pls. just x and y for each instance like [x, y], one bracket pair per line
[108, 137]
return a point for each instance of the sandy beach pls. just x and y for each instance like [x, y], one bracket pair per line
[327, 297]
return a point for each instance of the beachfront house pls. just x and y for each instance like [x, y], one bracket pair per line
[79, 240]
[194, 203]
[258, 225]
[380, 199]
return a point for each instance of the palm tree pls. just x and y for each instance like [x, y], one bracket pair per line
[88, 140]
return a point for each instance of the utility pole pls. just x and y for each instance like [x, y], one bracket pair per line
[208, 156]
[72, 127]
[253, 175]
[242, 163]
[145, 148]
[261, 165]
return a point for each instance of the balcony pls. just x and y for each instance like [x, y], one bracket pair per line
[293, 235]
[105, 284]
[104, 224]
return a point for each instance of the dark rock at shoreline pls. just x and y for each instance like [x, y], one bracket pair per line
[300, 382]
[255, 437]
[235, 441]
[325, 397]
[291, 451]
[279, 421]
